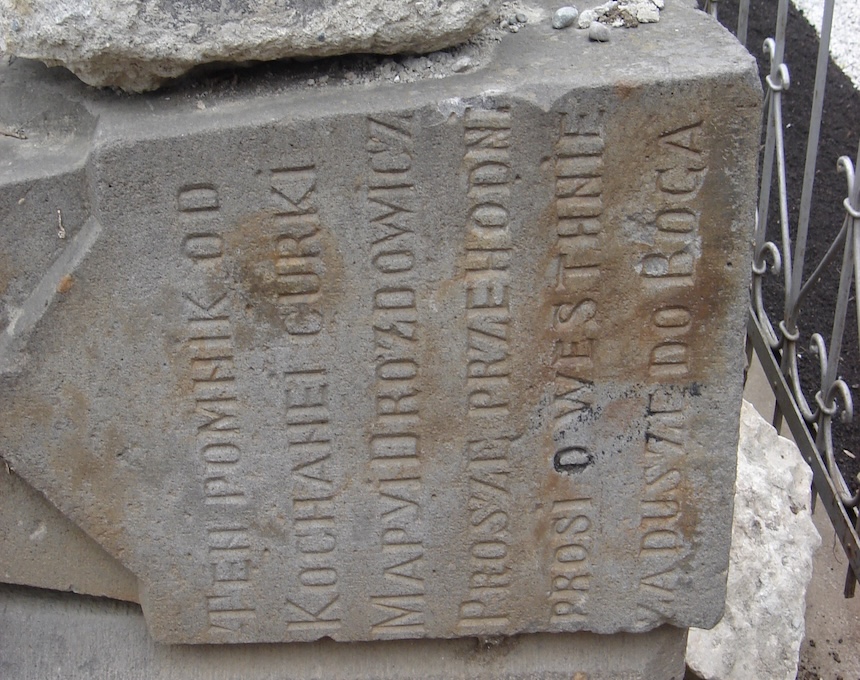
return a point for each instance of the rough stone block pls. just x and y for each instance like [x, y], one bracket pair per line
[371, 361]
[773, 544]
[139, 45]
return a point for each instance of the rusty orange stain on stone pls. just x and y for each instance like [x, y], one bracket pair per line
[65, 284]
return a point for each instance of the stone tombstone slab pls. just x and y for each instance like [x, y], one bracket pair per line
[461, 357]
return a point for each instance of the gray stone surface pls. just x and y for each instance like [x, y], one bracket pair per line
[369, 361]
[599, 32]
[48, 636]
[586, 17]
[137, 45]
[564, 16]
[40, 547]
[773, 544]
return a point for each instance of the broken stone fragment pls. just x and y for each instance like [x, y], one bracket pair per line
[623, 13]
[137, 46]
[647, 12]
[586, 17]
[773, 543]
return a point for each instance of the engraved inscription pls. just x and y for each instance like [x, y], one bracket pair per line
[662, 545]
[314, 605]
[576, 296]
[681, 171]
[488, 247]
[575, 319]
[197, 198]
[570, 571]
[397, 595]
[203, 246]
[299, 264]
[228, 600]
[217, 413]
[488, 469]
[668, 359]
[213, 380]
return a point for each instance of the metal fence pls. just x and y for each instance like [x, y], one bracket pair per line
[809, 409]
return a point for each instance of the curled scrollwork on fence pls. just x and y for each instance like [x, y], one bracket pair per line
[808, 410]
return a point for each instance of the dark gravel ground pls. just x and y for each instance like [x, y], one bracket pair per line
[839, 136]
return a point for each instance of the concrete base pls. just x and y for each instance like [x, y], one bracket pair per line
[57, 635]
[42, 548]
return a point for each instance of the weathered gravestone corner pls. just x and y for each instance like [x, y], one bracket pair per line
[454, 358]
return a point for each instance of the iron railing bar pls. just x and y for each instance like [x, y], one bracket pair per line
[766, 171]
[842, 299]
[778, 67]
[775, 47]
[743, 21]
[853, 183]
[829, 256]
[856, 246]
[854, 205]
[843, 525]
[812, 140]
[848, 236]
[785, 226]
[781, 23]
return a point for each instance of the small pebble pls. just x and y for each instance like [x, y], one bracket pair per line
[586, 18]
[598, 32]
[461, 64]
[564, 17]
[522, 18]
